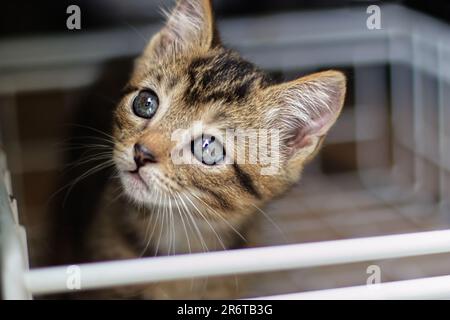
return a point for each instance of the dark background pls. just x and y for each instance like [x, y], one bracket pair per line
[27, 17]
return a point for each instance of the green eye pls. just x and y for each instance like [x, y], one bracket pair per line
[145, 104]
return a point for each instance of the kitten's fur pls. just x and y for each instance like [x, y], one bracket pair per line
[197, 79]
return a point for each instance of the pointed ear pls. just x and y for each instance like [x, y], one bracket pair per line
[305, 109]
[190, 25]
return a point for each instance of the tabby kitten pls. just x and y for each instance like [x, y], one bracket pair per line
[186, 77]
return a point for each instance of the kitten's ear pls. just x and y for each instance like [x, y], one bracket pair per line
[189, 26]
[305, 109]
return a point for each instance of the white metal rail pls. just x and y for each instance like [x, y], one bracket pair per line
[424, 288]
[13, 245]
[106, 274]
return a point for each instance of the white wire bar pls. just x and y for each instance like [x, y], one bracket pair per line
[128, 272]
[13, 247]
[423, 288]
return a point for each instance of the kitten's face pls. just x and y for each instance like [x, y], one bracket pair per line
[186, 80]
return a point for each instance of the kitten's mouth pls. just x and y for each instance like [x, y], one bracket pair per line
[144, 187]
[136, 176]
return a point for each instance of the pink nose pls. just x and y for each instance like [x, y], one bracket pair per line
[142, 155]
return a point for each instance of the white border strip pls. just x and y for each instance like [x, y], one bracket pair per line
[128, 272]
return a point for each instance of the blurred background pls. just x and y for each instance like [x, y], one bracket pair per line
[384, 168]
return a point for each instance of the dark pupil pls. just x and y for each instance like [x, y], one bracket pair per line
[207, 141]
[145, 104]
[207, 151]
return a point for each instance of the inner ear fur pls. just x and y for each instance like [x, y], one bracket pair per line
[305, 109]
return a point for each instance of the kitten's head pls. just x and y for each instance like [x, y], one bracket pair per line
[186, 79]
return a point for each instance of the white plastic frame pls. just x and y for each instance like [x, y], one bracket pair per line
[392, 44]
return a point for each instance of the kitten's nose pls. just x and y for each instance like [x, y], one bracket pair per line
[142, 155]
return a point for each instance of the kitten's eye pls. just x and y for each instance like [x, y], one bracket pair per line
[208, 150]
[145, 104]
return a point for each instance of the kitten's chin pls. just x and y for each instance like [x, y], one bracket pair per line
[140, 190]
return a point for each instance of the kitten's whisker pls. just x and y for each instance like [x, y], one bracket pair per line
[173, 225]
[153, 230]
[97, 157]
[136, 31]
[168, 222]
[217, 214]
[86, 139]
[85, 146]
[209, 224]
[88, 152]
[162, 222]
[182, 221]
[236, 280]
[147, 229]
[120, 193]
[82, 141]
[88, 173]
[191, 223]
[90, 128]
[205, 283]
[194, 223]
[71, 184]
[118, 196]
[272, 222]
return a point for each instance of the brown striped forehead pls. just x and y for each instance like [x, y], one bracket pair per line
[192, 84]
[222, 76]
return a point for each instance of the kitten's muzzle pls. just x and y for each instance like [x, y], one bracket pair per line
[143, 156]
